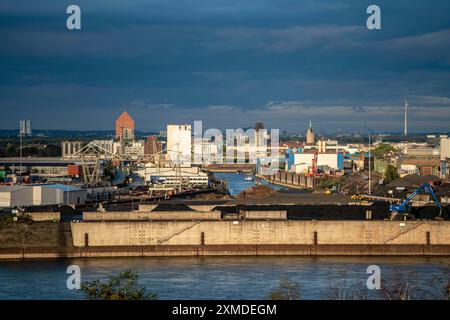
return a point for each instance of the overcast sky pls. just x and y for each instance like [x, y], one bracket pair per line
[226, 62]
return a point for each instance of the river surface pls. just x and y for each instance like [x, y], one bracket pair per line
[228, 277]
[237, 182]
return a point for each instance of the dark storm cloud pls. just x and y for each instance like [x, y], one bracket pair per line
[279, 61]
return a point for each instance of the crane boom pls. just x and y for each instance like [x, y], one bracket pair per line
[404, 205]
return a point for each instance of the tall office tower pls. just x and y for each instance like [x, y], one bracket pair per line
[125, 127]
[179, 143]
[260, 133]
[25, 128]
[262, 141]
[259, 126]
[310, 135]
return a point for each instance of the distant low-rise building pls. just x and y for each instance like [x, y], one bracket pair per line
[71, 148]
[42, 167]
[304, 161]
[207, 151]
[152, 145]
[421, 151]
[427, 165]
[134, 148]
[406, 169]
[170, 176]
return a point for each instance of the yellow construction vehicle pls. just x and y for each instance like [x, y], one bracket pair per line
[357, 197]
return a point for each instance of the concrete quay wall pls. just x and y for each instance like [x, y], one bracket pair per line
[291, 180]
[223, 250]
[250, 232]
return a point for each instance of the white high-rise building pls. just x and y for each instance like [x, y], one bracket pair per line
[25, 128]
[179, 143]
[71, 148]
[445, 156]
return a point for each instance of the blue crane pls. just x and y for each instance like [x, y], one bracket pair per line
[404, 206]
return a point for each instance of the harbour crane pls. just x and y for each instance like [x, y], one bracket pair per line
[314, 163]
[404, 206]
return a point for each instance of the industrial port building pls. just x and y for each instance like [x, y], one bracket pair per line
[41, 195]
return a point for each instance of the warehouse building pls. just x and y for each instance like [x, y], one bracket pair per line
[12, 196]
[43, 167]
[45, 194]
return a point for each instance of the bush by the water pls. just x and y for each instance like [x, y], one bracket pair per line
[7, 219]
[287, 290]
[120, 287]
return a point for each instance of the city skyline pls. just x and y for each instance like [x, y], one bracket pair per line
[228, 64]
[301, 130]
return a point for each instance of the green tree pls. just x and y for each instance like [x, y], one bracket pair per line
[287, 290]
[10, 149]
[390, 174]
[383, 149]
[120, 287]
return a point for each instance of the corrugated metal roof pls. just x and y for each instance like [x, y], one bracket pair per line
[12, 188]
[61, 186]
[50, 186]
[412, 180]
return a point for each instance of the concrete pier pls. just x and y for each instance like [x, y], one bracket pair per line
[203, 233]
[262, 232]
[291, 180]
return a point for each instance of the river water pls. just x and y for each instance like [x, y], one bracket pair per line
[237, 182]
[229, 277]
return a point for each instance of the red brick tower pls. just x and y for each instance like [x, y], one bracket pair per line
[124, 122]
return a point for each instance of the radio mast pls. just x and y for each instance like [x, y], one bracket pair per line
[406, 118]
